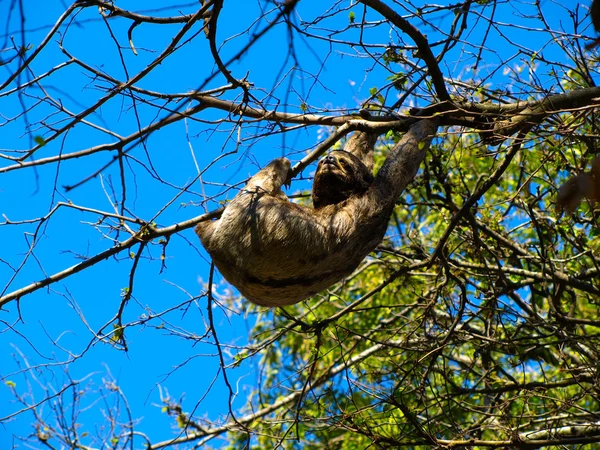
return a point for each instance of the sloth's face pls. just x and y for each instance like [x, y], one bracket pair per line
[335, 165]
[339, 176]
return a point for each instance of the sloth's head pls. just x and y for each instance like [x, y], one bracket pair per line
[339, 176]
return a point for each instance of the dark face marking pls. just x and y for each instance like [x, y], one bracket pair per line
[339, 176]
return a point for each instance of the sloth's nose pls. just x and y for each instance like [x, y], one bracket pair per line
[329, 159]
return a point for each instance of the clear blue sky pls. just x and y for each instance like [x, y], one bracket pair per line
[53, 325]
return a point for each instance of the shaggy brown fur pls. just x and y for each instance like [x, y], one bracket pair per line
[278, 253]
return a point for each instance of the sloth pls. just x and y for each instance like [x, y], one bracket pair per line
[277, 253]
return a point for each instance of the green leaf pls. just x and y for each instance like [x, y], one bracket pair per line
[118, 333]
